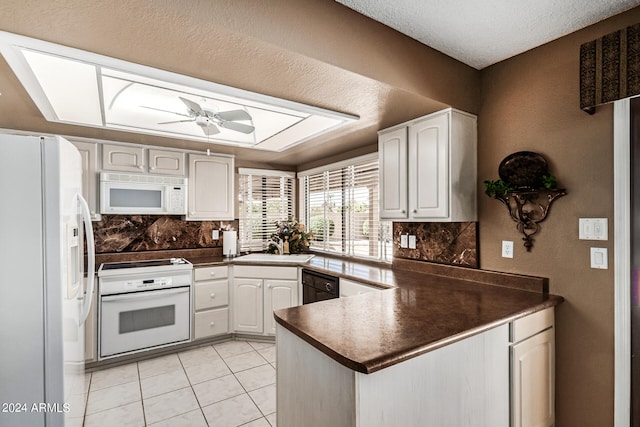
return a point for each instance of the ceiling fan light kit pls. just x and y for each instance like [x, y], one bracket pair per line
[73, 86]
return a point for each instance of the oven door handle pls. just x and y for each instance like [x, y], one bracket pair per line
[145, 294]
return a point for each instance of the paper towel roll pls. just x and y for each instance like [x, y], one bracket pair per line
[229, 243]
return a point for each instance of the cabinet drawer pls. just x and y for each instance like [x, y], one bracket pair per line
[262, 272]
[211, 322]
[209, 273]
[211, 294]
[531, 325]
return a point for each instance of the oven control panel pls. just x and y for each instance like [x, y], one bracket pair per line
[141, 284]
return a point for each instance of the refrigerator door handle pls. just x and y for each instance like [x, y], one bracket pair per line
[91, 257]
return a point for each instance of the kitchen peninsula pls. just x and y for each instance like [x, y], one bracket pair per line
[434, 350]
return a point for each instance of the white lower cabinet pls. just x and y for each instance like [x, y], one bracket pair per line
[247, 305]
[257, 292]
[210, 301]
[533, 370]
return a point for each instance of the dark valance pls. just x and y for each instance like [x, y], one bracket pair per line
[610, 68]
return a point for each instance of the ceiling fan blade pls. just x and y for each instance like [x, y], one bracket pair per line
[232, 115]
[165, 111]
[210, 129]
[193, 106]
[238, 127]
[176, 121]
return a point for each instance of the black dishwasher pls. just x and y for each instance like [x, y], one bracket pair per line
[318, 286]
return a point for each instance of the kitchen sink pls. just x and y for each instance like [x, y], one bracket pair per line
[273, 258]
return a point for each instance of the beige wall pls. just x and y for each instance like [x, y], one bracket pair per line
[531, 102]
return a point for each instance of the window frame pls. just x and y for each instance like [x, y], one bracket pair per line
[347, 240]
[255, 245]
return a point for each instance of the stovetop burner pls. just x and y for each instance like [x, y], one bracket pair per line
[138, 264]
[150, 267]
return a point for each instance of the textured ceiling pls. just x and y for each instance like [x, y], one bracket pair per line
[323, 54]
[481, 33]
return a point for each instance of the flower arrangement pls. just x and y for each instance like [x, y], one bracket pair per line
[291, 233]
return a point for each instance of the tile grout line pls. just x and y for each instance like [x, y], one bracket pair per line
[144, 415]
[191, 385]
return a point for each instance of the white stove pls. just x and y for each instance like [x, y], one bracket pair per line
[143, 305]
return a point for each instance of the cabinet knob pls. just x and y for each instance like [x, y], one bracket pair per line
[152, 168]
[212, 274]
[259, 285]
[269, 286]
[213, 295]
[403, 211]
[415, 211]
[140, 166]
[212, 324]
[192, 213]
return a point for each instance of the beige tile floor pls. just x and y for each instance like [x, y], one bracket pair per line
[227, 384]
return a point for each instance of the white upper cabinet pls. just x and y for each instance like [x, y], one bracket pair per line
[123, 158]
[428, 168]
[163, 162]
[131, 158]
[393, 174]
[89, 154]
[211, 188]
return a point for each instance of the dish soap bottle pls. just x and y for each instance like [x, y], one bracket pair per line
[285, 245]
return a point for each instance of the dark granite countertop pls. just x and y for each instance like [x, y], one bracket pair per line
[429, 306]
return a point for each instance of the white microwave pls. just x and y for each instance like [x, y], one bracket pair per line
[142, 194]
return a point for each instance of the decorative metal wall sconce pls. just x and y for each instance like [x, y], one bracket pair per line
[527, 189]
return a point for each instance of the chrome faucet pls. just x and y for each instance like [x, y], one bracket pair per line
[278, 245]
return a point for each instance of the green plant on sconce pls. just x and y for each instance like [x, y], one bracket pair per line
[497, 187]
[549, 181]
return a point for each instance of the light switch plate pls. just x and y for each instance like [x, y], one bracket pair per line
[215, 234]
[412, 242]
[593, 229]
[599, 258]
[403, 241]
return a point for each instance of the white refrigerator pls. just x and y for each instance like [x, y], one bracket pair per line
[42, 296]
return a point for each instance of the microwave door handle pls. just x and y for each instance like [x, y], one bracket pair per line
[145, 294]
[91, 257]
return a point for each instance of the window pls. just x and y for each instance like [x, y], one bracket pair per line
[340, 206]
[265, 197]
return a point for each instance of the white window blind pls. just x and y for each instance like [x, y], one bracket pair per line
[265, 197]
[341, 207]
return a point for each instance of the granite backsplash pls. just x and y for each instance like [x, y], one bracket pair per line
[453, 243]
[136, 233]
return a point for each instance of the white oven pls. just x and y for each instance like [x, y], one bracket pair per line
[143, 305]
[142, 194]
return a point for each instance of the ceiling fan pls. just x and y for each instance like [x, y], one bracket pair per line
[210, 120]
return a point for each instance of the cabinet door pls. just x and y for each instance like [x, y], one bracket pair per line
[533, 381]
[89, 154]
[248, 305]
[122, 158]
[392, 152]
[211, 186]
[166, 162]
[429, 168]
[278, 294]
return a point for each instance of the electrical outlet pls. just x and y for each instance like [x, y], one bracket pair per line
[215, 234]
[599, 258]
[507, 249]
[403, 241]
[412, 242]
